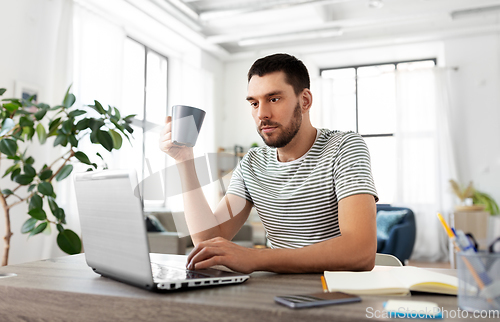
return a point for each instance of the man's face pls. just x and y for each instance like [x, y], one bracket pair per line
[275, 108]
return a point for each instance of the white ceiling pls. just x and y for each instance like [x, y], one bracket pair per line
[238, 26]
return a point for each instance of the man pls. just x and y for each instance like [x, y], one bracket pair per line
[312, 188]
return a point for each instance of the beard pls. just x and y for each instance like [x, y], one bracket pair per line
[287, 133]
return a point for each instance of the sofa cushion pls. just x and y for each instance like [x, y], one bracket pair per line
[380, 244]
[153, 224]
[386, 219]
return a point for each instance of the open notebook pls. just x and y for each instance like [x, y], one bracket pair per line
[391, 280]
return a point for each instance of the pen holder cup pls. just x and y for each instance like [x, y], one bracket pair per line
[478, 281]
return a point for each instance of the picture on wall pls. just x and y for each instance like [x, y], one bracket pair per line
[25, 91]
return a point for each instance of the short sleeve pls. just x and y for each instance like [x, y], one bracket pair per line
[352, 170]
[237, 184]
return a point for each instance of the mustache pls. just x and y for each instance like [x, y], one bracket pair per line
[268, 123]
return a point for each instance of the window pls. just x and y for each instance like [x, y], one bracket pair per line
[364, 100]
[144, 92]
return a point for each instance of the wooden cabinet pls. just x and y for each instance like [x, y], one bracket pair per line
[474, 222]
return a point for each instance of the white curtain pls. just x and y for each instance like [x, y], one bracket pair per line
[61, 76]
[425, 156]
[424, 148]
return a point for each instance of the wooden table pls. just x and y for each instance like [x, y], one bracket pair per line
[66, 289]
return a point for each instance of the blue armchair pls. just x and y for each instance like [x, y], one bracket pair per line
[401, 236]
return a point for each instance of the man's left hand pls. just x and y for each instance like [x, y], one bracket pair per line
[220, 251]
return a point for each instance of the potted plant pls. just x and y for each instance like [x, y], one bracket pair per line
[474, 212]
[21, 120]
[472, 199]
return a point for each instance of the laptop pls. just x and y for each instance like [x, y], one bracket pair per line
[115, 239]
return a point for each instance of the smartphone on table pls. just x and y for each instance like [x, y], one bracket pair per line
[316, 299]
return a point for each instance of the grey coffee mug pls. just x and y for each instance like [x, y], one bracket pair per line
[186, 124]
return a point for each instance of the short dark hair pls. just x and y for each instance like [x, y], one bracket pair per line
[295, 71]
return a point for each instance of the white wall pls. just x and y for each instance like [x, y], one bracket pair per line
[31, 53]
[476, 99]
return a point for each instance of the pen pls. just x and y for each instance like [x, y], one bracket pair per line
[446, 227]
[470, 267]
[323, 283]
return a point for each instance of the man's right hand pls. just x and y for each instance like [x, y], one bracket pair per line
[177, 152]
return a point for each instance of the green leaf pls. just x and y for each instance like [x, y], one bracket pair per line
[57, 107]
[25, 122]
[95, 124]
[128, 128]
[16, 158]
[33, 186]
[67, 126]
[23, 179]
[82, 157]
[39, 229]
[45, 174]
[117, 113]
[65, 171]
[60, 228]
[38, 213]
[73, 141]
[29, 170]
[105, 139]
[129, 118]
[13, 100]
[53, 205]
[36, 202]
[8, 147]
[45, 188]
[40, 113]
[76, 113]
[69, 100]
[83, 124]
[67, 91]
[18, 132]
[54, 124]
[69, 242]
[98, 107]
[29, 131]
[42, 135]
[60, 215]
[10, 169]
[22, 112]
[61, 139]
[47, 231]
[7, 125]
[28, 225]
[29, 160]
[7, 192]
[93, 137]
[11, 107]
[2, 90]
[117, 139]
[31, 98]
[15, 173]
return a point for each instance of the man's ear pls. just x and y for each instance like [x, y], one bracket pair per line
[306, 99]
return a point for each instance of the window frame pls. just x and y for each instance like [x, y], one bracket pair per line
[356, 67]
[144, 123]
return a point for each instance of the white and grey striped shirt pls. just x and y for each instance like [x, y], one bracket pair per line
[297, 201]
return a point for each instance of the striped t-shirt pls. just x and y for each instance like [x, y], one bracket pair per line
[297, 201]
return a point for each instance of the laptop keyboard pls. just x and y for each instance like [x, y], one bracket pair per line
[163, 272]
